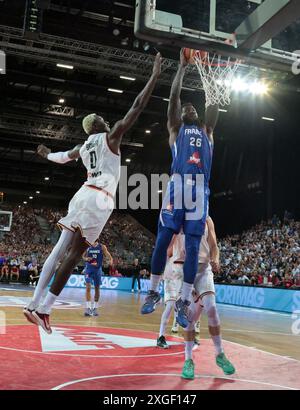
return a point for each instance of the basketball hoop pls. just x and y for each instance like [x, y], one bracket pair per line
[217, 74]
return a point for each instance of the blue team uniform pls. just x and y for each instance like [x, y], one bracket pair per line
[93, 269]
[186, 202]
[185, 206]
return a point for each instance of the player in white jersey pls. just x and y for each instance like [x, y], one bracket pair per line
[205, 299]
[92, 205]
[173, 280]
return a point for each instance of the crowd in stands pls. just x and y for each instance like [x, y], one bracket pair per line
[266, 255]
[127, 240]
[24, 249]
[52, 216]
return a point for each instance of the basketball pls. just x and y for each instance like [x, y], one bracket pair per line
[190, 55]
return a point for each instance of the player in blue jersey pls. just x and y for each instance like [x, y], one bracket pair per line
[93, 270]
[186, 202]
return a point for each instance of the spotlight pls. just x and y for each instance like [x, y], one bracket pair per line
[69, 67]
[125, 41]
[239, 85]
[61, 100]
[123, 77]
[37, 192]
[114, 90]
[259, 88]
[146, 46]
[31, 197]
[46, 178]
[148, 132]
[128, 160]
[268, 119]
[116, 32]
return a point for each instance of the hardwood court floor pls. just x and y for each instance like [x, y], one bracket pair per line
[257, 341]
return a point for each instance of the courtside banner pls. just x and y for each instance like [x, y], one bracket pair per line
[111, 283]
[281, 300]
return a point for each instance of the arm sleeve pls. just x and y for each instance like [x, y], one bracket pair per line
[59, 157]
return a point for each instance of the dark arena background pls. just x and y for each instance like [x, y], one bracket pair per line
[61, 60]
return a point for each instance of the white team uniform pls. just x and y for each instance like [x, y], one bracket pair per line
[92, 205]
[173, 274]
[204, 280]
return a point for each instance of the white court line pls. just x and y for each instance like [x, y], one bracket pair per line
[95, 321]
[89, 356]
[16, 290]
[99, 325]
[61, 386]
[257, 310]
[97, 356]
[259, 331]
[142, 331]
[262, 351]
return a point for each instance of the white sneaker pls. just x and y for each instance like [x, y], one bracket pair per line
[132, 290]
[197, 327]
[175, 328]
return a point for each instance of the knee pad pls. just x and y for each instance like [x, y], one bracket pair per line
[209, 302]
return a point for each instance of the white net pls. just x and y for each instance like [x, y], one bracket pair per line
[217, 76]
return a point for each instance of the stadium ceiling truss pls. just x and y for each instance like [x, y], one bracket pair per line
[59, 123]
[34, 128]
[93, 57]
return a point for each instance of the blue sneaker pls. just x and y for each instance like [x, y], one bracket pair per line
[95, 312]
[88, 312]
[150, 302]
[182, 312]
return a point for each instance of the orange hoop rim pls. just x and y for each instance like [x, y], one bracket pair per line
[221, 61]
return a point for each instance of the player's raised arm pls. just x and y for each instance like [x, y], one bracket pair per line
[59, 157]
[213, 245]
[85, 257]
[174, 109]
[107, 254]
[211, 119]
[122, 126]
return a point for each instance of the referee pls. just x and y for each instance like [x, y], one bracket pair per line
[136, 275]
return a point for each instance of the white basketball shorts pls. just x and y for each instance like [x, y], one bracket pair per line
[204, 280]
[89, 210]
[173, 279]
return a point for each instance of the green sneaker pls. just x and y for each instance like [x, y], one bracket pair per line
[224, 363]
[161, 342]
[188, 370]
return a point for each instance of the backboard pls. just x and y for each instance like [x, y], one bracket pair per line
[265, 29]
[5, 221]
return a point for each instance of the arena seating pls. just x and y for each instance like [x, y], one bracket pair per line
[266, 255]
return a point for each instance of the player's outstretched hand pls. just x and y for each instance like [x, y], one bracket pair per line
[43, 151]
[183, 60]
[157, 65]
